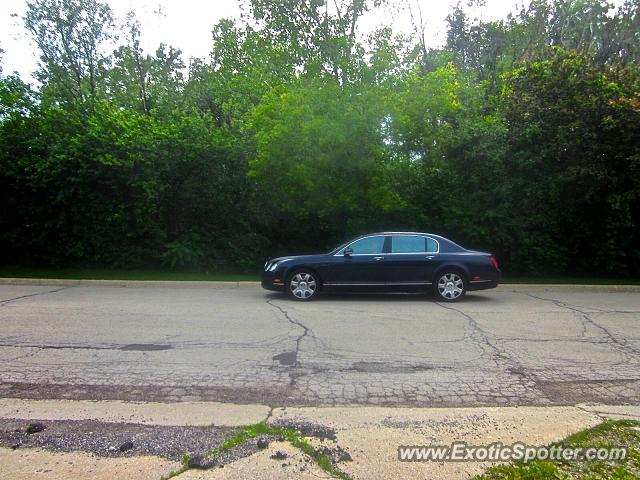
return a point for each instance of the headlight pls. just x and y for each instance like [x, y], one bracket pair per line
[270, 267]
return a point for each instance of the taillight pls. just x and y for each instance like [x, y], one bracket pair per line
[494, 262]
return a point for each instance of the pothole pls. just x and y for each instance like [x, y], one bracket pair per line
[287, 358]
[382, 367]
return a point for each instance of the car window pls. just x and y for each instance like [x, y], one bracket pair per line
[407, 244]
[369, 245]
[432, 245]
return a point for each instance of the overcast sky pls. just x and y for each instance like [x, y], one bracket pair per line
[187, 24]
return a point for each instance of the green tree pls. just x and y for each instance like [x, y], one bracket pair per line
[319, 35]
[517, 137]
[128, 78]
[319, 161]
[452, 144]
[574, 164]
[70, 34]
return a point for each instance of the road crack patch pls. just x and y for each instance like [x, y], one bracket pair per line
[498, 355]
[291, 359]
[621, 345]
[6, 302]
[133, 347]
[481, 338]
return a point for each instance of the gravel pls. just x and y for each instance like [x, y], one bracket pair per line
[308, 429]
[113, 439]
[35, 427]
[108, 439]
[279, 455]
[126, 446]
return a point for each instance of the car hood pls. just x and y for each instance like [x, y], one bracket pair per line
[314, 257]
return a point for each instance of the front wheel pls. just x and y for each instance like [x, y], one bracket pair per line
[450, 286]
[302, 285]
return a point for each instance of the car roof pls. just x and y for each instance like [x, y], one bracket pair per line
[439, 238]
[434, 235]
[398, 233]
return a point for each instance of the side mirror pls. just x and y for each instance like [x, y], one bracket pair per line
[348, 252]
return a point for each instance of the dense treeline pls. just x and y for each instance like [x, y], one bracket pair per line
[521, 137]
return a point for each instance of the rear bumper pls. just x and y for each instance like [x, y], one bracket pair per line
[490, 281]
[482, 285]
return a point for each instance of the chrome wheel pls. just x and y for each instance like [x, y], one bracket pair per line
[303, 285]
[450, 286]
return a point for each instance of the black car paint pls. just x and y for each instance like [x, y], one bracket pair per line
[392, 272]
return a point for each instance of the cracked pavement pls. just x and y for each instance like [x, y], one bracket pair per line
[515, 345]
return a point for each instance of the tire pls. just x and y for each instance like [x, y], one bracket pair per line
[303, 285]
[450, 286]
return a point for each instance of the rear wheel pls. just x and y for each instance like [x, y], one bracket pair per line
[450, 286]
[302, 285]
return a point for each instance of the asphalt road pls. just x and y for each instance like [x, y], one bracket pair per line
[238, 343]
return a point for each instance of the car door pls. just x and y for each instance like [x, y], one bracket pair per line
[411, 260]
[362, 267]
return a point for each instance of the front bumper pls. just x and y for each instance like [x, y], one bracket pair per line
[273, 281]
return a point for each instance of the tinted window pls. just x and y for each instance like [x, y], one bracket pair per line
[432, 245]
[407, 244]
[368, 245]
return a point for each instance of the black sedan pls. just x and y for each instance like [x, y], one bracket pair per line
[383, 262]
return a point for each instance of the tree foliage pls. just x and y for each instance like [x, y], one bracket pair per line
[519, 136]
[70, 34]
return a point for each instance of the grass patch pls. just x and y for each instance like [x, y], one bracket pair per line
[107, 274]
[285, 434]
[175, 473]
[571, 280]
[159, 275]
[611, 433]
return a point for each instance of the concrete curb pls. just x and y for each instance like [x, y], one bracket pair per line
[618, 288]
[245, 284]
[234, 415]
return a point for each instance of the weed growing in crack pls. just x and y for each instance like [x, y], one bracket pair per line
[175, 473]
[290, 435]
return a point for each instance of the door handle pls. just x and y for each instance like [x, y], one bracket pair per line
[430, 257]
[378, 258]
